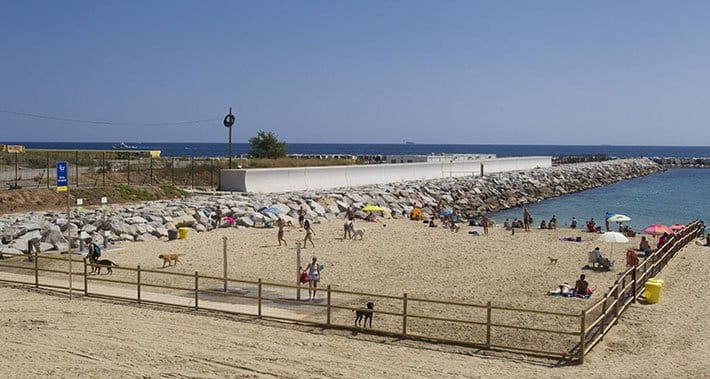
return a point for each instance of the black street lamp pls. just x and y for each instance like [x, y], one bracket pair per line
[228, 122]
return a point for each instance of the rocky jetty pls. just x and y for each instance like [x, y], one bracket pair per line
[471, 196]
[702, 162]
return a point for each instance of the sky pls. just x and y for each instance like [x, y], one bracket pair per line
[442, 72]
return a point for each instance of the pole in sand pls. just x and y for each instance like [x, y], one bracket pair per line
[63, 185]
[224, 251]
[298, 270]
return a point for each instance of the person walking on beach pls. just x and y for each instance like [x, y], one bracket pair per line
[348, 230]
[606, 220]
[573, 224]
[280, 223]
[485, 221]
[349, 215]
[527, 219]
[309, 234]
[217, 217]
[313, 270]
[94, 254]
[301, 216]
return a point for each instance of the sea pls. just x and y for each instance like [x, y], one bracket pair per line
[221, 149]
[670, 197]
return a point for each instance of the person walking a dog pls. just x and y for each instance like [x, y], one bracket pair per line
[94, 254]
[309, 233]
[347, 230]
[313, 270]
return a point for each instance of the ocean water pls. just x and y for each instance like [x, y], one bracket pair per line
[221, 149]
[670, 197]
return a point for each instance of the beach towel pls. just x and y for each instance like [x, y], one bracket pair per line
[587, 296]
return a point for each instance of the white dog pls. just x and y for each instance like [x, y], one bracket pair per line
[358, 232]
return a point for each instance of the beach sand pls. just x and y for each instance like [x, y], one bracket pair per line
[49, 335]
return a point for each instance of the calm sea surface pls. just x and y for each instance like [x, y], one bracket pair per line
[220, 149]
[673, 196]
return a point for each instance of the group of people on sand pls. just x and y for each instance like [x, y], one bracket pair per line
[552, 224]
[302, 222]
[581, 289]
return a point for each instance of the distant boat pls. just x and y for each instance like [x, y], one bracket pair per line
[123, 145]
[408, 143]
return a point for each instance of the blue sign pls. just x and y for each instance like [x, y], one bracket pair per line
[62, 176]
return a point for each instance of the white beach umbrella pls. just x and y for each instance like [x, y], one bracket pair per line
[619, 218]
[613, 237]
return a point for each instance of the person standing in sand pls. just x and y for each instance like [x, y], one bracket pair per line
[280, 223]
[313, 270]
[347, 230]
[301, 216]
[485, 221]
[309, 233]
[349, 215]
[527, 219]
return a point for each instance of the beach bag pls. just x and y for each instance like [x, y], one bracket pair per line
[304, 277]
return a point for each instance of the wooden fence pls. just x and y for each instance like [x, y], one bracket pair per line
[486, 326]
[600, 317]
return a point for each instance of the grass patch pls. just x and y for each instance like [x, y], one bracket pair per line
[129, 193]
[172, 191]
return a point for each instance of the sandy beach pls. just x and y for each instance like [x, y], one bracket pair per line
[48, 335]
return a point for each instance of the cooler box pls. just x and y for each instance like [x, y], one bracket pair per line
[654, 290]
[172, 234]
[182, 233]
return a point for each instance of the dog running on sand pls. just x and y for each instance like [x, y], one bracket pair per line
[552, 260]
[104, 263]
[170, 259]
[364, 315]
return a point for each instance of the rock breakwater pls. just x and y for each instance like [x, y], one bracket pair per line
[470, 196]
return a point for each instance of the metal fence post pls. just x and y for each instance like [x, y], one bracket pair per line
[192, 172]
[16, 168]
[47, 156]
[404, 314]
[129, 169]
[138, 284]
[172, 170]
[211, 172]
[76, 166]
[197, 287]
[259, 297]
[104, 168]
[488, 324]
[151, 170]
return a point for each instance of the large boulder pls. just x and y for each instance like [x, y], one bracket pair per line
[244, 221]
[119, 227]
[135, 220]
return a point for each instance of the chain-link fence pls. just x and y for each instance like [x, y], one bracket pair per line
[37, 169]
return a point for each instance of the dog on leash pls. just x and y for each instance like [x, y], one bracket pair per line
[358, 232]
[105, 263]
[170, 259]
[552, 260]
[364, 315]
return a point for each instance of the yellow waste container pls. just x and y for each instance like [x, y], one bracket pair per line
[654, 290]
[182, 233]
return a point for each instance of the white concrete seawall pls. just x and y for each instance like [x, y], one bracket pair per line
[315, 178]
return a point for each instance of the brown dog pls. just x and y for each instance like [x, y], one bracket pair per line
[170, 259]
[364, 315]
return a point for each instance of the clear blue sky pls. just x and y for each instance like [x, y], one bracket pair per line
[499, 72]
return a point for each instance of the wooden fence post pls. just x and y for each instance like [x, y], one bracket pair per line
[488, 324]
[197, 287]
[616, 302]
[86, 279]
[633, 277]
[327, 309]
[138, 284]
[582, 335]
[259, 295]
[36, 270]
[404, 315]
[603, 322]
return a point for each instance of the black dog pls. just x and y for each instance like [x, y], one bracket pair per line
[104, 263]
[364, 315]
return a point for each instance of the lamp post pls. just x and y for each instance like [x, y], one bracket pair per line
[228, 122]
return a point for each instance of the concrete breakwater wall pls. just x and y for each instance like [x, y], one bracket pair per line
[702, 162]
[318, 178]
[471, 196]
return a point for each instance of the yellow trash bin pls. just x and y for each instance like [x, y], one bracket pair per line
[182, 233]
[654, 290]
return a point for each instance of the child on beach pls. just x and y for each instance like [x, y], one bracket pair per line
[280, 223]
